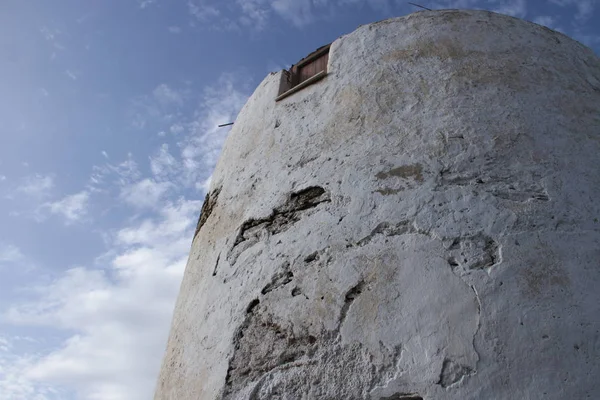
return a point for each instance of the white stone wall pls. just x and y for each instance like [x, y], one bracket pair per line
[422, 223]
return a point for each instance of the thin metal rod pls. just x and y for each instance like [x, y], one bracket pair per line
[413, 4]
[222, 125]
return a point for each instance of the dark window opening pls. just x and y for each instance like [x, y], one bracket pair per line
[305, 72]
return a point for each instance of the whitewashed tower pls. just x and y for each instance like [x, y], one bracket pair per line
[418, 221]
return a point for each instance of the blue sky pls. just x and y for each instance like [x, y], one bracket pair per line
[109, 113]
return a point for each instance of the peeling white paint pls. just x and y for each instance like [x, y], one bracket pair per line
[422, 223]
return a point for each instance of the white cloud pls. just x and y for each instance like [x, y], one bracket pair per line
[544, 20]
[176, 128]
[120, 315]
[173, 222]
[49, 34]
[71, 74]
[145, 3]
[13, 382]
[200, 142]
[298, 12]
[163, 164]
[583, 8]
[203, 11]
[204, 186]
[52, 35]
[10, 254]
[73, 208]
[138, 120]
[124, 173]
[201, 149]
[146, 193]
[2, 178]
[36, 185]
[166, 95]
[254, 13]
[515, 8]
[5, 345]
[116, 312]
[161, 106]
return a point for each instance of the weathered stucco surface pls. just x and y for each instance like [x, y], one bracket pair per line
[422, 223]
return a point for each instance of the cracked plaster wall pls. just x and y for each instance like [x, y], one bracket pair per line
[420, 224]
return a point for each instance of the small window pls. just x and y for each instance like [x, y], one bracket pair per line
[307, 71]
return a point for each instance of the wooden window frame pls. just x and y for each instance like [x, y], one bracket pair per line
[290, 79]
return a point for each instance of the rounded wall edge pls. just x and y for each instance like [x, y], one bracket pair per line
[419, 224]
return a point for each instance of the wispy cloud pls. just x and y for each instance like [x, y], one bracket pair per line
[203, 10]
[73, 208]
[163, 164]
[10, 254]
[545, 20]
[162, 105]
[116, 313]
[14, 384]
[166, 95]
[120, 314]
[201, 148]
[300, 13]
[176, 128]
[49, 34]
[37, 185]
[254, 13]
[583, 8]
[146, 193]
[71, 74]
[199, 138]
[52, 36]
[175, 29]
[515, 8]
[145, 3]
[109, 175]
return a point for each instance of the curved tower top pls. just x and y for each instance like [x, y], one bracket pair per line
[414, 218]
